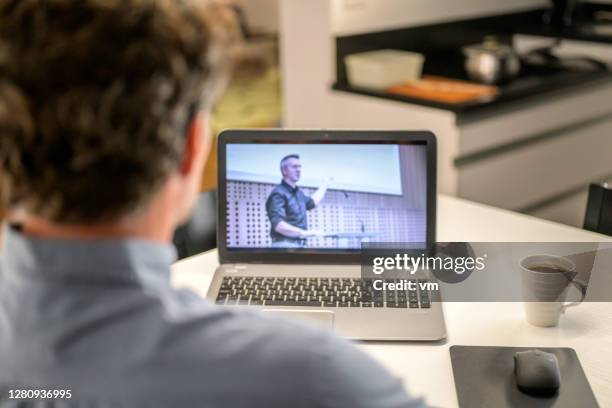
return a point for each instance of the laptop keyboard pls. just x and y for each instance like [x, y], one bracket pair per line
[317, 292]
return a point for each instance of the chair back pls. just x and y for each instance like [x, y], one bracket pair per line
[199, 233]
[598, 217]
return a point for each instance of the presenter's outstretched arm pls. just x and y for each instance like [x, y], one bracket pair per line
[318, 195]
[288, 230]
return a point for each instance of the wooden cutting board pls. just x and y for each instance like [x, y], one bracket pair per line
[445, 90]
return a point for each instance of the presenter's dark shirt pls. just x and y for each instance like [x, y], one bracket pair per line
[289, 204]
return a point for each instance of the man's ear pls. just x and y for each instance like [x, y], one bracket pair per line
[196, 145]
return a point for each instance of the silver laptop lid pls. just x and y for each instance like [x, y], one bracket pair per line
[295, 196]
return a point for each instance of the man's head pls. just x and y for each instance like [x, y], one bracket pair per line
[102, 103]
[291, 169]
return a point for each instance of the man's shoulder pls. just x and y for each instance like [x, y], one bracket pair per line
[301, 193]
[287, 361]
[216, 345]
[223, 328]
[257, 332]
[278, 191]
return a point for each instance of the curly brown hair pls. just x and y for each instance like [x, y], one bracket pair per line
[96, 97]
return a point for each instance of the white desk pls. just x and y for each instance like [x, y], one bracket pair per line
[426, 368]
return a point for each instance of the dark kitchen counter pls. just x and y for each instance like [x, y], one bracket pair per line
[441, 45]
[533, 83]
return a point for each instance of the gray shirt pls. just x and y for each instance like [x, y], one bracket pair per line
[101, 319]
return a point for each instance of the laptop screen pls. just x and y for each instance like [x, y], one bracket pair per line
[332, 196]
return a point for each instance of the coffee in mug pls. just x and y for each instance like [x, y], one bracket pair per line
[546, 280]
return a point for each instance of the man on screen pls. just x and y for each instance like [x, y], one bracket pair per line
[287, 205]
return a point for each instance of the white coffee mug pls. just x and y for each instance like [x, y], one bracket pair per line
[545, 283]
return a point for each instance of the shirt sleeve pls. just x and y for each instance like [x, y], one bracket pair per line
[275, 207]
[310, 204]
[347, 377]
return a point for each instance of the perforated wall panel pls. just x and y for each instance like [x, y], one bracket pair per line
[339, 212]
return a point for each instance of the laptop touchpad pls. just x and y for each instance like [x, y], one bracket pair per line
[321, 317]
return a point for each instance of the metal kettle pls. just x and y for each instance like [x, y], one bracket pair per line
[491, 61]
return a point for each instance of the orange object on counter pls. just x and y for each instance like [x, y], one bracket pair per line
[444, 90]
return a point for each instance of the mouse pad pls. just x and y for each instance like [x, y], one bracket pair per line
[484, 377]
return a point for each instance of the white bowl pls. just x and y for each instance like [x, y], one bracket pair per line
[383, 68]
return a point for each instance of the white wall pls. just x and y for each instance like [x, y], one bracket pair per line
[360, 16]
[307, 61]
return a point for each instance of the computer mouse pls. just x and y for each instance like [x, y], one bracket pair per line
[537, 372]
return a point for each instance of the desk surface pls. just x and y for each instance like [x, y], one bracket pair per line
[426, 368]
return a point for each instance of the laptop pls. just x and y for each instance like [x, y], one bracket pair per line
[295, 209]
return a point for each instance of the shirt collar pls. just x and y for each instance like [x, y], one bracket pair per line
[129, 261]
[288, 187]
